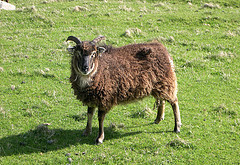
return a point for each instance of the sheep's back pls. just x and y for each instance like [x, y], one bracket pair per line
[132, 72]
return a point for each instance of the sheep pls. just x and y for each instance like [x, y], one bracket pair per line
[103, 76]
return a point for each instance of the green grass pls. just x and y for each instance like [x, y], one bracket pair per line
[35, 88]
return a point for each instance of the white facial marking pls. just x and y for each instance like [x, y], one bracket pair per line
[84, 81]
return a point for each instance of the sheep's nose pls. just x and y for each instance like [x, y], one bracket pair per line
[85, 68]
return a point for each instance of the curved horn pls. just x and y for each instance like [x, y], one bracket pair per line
[98, 39]
[74, 39]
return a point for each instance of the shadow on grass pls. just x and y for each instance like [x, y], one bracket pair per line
[45, 140]
[42, 139]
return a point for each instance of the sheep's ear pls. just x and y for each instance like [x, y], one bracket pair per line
[70, 49]
[101, 50]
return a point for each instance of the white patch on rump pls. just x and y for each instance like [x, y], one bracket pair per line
[175, 82]
[171, 62]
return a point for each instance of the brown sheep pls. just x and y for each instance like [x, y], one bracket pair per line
[102, 77]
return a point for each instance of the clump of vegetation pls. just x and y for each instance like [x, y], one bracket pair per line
[2, 112]
[126, 8]
[169, 39]
[222, 109]
[180, 143]
[162, 5]
[40, 135]
[116, 126]
[28, 9]
[132, 32]
[146, 112]
[43, 131]
[79, 117]
[211, 6]
[80, 8]
[221, 56]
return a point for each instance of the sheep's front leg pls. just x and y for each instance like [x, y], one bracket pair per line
[101, 116]
[177, 118]
[88, 129]
[160, 113]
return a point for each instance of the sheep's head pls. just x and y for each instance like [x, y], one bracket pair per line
[85, 55]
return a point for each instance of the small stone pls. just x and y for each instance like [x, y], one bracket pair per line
[128, 33]
[67, 154]
[211, 5]
[1, 69]
[47, 69]
[22, 144]
[13, 87]
[50, 141]
[69, 160]
[33, 8]
[42, 72]
[171, 39]
[80, 8]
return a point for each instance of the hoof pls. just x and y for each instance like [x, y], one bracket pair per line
[86, 133]
[157, 121]
[176, 130]
[98, 142]
[177, 127]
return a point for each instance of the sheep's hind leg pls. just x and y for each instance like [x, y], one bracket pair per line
[177, 118]
[160, 113]
[101, 116]
[88, 129]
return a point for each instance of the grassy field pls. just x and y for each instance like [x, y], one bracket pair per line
[202, 37]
